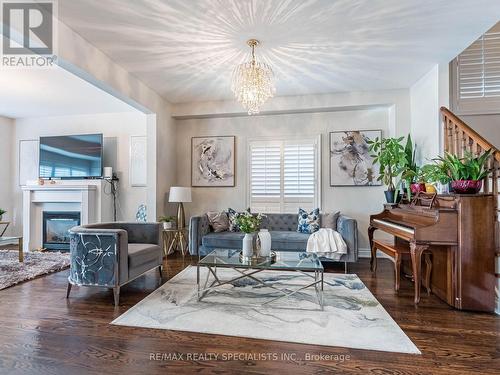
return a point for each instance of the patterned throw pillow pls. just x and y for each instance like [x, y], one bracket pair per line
[308, 222]
[233, 215]
[218, 220]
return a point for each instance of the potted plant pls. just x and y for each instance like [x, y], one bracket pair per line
[389, 153]
[436, 173]
[168, 221]
[248, 224]
[466, 173]
[411, 171]
[2, 212]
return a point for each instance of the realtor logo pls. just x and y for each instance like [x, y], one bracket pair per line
[28, 33]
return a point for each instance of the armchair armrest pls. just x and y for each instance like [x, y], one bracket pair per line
[348, 228]
[198, 227]
[98, 256]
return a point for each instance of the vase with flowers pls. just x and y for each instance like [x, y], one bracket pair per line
[249, 224]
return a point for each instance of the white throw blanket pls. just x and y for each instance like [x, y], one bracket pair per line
[327, 243]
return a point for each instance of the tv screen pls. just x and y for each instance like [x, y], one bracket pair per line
[71, 156]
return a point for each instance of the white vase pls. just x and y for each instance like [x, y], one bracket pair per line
[167, 225]
[265, 243]
[247, 247]
[442, 188]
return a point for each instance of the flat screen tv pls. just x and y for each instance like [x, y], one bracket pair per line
[71, 156]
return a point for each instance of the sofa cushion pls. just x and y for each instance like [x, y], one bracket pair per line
[329, 220]
[141, 253]
[218, 221]
[225, 240]
[289, 241]
[280, 240]
[308, 222]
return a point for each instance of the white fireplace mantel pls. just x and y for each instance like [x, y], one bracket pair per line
[36, 198]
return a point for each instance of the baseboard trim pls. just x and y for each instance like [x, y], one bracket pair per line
[366, 253]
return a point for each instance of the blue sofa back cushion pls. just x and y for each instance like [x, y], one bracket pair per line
[281, 240]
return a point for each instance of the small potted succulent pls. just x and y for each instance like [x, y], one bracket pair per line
[168, 221]
[390, 154]
[466, 173]
[2, 212]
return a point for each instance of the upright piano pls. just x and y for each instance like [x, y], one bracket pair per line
[459, 231]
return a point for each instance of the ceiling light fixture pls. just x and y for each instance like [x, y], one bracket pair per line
[253, 82]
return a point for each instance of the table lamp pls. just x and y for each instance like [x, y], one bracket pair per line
[179, 194]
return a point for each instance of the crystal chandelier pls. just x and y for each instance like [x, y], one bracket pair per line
[253, 82]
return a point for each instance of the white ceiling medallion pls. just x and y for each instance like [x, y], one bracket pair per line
[253, 82]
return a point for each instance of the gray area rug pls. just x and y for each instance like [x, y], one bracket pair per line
[352, 317]
[35, 264]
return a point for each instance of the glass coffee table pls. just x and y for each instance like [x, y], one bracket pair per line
[307, 264]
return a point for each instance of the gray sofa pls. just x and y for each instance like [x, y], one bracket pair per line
[284, 235]
[113, 254]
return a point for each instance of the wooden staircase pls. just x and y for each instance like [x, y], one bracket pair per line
[459, 138]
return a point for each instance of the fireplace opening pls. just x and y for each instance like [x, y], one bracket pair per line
[56, 226]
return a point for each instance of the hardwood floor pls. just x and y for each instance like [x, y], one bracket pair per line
[41, 332]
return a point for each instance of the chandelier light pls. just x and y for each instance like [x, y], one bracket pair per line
[253, 82]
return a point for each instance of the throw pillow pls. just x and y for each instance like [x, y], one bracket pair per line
[329, 220]
[308, 222]
[233, 215]
[218, 221]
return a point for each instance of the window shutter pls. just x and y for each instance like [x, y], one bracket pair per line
[479, 68]
[299, 161]
[283, 176]
[265, 176]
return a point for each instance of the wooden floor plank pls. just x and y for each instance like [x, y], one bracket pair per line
[43, 333]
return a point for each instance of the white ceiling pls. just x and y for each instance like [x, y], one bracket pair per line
[186, 50]
[52, 92]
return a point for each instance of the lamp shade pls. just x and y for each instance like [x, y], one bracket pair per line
[179, 194]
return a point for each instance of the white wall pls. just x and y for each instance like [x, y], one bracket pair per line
[116, 128]
[7, 162]
[427, 96]
[357, 202]
[486, 125]
[80, 57]
[424, 104]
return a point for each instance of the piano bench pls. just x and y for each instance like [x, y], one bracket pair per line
[396, 251]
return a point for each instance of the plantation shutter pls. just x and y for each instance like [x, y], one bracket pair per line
[476, 76]
[265, 176]
[283, 175]
[299, 176]
[479, 68]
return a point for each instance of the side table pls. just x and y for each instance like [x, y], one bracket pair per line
[175, 238]
[20, 245]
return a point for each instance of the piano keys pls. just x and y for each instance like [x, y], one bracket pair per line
[459, 231]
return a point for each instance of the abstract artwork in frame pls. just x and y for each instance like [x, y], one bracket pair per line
[213, 161]
[350, 160]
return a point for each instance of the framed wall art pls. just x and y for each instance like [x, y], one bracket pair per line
[213, 161]
[350, 160]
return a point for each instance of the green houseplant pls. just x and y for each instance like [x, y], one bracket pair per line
[466, 174]
[436, 173]
[168, 221]
[412, 173]
[390, 154]
[2, 212]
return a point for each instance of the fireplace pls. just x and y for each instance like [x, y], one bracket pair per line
[56, 226]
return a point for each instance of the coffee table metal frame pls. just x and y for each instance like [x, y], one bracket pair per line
[248, 270]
